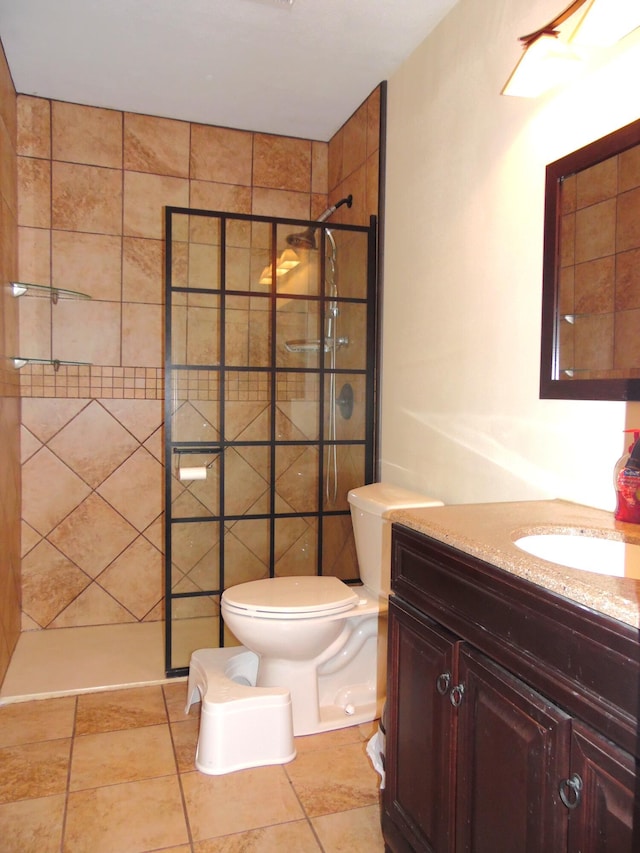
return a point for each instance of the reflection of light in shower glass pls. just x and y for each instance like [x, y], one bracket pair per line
[287, 261]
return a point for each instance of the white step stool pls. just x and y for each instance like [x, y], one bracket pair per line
[241, 725]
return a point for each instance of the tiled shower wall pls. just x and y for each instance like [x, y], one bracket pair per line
[9, 389]
[92, 186]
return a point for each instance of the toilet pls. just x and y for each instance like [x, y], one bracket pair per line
[320, 639]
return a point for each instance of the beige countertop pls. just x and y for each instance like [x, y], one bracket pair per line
[487, 531]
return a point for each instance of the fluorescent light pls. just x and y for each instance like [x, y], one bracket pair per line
[549, 61]
[287, 261]
[607, 21]
[546, 63]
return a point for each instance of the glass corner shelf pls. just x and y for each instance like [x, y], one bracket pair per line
[19, 362]
[19, 288]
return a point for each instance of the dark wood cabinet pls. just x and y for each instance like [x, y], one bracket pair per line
[602, 820]
[420, 736]
[482, 754]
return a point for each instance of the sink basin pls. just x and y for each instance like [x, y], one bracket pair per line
[589, 553]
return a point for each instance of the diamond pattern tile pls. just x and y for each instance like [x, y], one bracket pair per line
[49, 581]
[196, 421]
[140, 417]
[93, 444]
[246, 485]
[298, 485]
[135, 489]
[38, 473]
[93, 535]
[92, 607]
[29, 444]
[44, 417]
[135, 578]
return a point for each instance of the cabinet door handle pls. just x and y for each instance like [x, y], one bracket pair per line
[455, 697]
[571, 791]
[442, 683]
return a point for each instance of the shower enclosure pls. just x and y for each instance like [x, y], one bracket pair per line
[269, 407]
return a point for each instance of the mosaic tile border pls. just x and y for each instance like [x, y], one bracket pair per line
[139, 383]
[143, 383]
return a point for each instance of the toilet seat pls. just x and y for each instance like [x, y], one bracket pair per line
[290, 597]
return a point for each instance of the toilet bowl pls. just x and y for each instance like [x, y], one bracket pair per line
[318, 637]
[323, 640]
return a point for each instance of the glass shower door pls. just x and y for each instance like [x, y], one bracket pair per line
[268, 409]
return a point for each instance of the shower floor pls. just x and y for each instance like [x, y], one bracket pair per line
[64, 661]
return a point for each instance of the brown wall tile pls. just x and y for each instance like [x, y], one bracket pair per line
[113, 174]
[88, 135]
[88, 263]
[628, 228]
[629, 169]
[86, 198]
[142, 270]
[10, 480]
[219, 154]
[34, 127]
[145, 197]
[34, 192]
[598, 183]
[596, 231]
[156, 145]
[34, 255]
[282, 163]
[355, 141]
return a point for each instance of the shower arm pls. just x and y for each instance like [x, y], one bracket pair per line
[348, 200]
[306, 239]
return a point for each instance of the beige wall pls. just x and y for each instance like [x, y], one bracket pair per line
[92, 187]
[9, 391]
[463, 266]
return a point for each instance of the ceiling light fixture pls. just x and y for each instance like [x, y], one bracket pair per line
[548, 61]
[287, 261]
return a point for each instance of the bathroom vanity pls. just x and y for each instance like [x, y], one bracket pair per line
[513, 695]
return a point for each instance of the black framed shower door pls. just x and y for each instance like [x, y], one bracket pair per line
[269, 408]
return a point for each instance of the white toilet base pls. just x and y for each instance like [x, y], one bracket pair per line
[240, 725]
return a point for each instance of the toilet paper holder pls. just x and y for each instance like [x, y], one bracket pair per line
[202, 451]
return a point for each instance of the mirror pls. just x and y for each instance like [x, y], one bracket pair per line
[591, 272]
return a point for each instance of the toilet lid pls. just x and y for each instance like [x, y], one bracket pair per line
[296, 596]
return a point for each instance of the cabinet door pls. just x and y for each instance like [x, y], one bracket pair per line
[513, 748]
[601, 811]
[418, 796]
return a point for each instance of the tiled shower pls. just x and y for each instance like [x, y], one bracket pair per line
[84, 190]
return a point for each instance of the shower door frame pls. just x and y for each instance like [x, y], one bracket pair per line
[172, 371]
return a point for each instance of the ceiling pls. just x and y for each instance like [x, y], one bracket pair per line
[297, 69]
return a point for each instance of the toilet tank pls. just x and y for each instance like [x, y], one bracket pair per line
[370, 506]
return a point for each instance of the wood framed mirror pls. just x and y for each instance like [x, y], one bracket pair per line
[591, 272]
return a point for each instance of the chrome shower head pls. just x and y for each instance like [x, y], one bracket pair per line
[303, 239]
[307, 239]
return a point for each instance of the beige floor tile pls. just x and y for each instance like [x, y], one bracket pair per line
[135, 817]
[367, 730]
[185, 741]
[175, 695]
[236, 802]
[297, 837]
[27, 722]
[354, 831]
[120, 709]
[124, 756]
[326, 740]
[333, 780]
[34, 770]
[32, 826]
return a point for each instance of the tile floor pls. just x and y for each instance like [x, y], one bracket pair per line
[113, 772]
